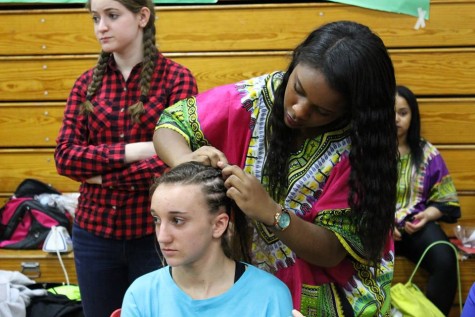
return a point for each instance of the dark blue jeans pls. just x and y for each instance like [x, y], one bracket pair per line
[106, 267]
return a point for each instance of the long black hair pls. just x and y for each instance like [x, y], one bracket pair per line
[356, 64]
[212, 185]
[414, 132]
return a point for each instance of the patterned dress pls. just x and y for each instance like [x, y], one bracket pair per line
[429, 185]
[233, 118]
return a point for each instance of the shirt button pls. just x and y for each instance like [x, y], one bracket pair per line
[132, 187]
[111, 187]
[121, 135]
[125, 88]
[122, 110]
[114, 207]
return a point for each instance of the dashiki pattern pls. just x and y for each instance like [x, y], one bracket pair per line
[317, 192]
[430, 185]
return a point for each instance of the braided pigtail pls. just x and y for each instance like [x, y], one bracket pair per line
[98, 73]
[239, 244]
[148, 66]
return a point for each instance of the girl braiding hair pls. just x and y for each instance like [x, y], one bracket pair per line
[312, 163]
[373, 155]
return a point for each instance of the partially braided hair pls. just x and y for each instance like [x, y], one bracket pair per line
[212, 184]
[148, 64]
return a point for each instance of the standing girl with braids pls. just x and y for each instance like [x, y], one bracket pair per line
[310, 156]
[206, 275]
[105, 143]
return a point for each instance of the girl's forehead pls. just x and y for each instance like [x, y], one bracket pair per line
[102, 5]
[178, 194]
[401, 102]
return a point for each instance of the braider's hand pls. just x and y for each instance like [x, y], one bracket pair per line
[207, 155]
[249, 194]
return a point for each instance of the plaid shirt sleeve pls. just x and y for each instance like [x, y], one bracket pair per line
[184, 86]
[140, 174]
[73, 155]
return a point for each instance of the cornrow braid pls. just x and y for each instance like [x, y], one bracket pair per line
[97, 75]
[212, 183]
[148, 66]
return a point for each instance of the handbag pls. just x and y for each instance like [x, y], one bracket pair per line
[410, 301]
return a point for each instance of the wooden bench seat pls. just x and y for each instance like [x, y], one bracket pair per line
[40, 163]
[427, 72]
[35, 124]
[40, 266]
[448, 120]
[235, 27]
[43, 51]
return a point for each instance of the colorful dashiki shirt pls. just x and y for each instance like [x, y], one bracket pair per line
[233, 118]
[429, 185]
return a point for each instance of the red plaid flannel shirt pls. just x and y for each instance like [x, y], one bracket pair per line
[94, 144]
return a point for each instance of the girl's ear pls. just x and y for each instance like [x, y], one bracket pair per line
[144, 16]
[220, 225]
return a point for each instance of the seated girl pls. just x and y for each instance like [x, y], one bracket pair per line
[202, 236]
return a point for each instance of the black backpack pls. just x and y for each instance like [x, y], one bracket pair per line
[24, 221]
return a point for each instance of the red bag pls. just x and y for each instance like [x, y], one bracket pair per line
[25, 222]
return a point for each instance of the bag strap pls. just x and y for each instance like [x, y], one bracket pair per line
[456, 260]
[31, 187]
[18, 209]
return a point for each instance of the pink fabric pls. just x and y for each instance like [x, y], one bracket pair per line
[225, 122]
[335, 192]
[44, 219]
[22, 229]
[334, 196]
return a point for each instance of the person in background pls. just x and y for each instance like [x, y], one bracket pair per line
[310, 156]
[105, 143]
[425, 195]
[205, 276]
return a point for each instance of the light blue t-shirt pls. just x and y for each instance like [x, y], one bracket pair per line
[256, 293]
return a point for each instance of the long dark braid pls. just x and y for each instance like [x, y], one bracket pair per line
[148, 66]
[356, 64]
[96, 82]
[212, 183]
[148, 63]
[279, 136]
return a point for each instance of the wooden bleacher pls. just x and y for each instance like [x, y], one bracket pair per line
[43, 51]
